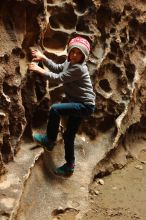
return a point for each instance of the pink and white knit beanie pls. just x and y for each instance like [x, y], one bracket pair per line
[80, 43]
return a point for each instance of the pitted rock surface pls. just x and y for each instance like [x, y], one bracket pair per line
[117, 64]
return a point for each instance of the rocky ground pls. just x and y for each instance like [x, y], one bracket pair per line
[120, 196]
[29, 191]
[123, 195]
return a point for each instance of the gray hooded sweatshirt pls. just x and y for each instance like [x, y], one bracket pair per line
[75, 79]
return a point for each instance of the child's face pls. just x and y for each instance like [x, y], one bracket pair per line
[76, 56]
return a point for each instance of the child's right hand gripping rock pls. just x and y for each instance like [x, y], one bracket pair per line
[34, 67]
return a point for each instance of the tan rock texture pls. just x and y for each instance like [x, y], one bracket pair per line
[117, 32]
[117, 64]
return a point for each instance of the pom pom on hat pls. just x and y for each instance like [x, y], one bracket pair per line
[80, 43]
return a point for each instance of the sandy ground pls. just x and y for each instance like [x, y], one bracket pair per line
[121, 197]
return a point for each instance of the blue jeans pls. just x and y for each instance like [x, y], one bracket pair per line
[75, 112]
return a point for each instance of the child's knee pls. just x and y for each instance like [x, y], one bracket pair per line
[53, 109]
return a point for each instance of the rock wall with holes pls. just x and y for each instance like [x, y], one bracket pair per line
[117, 64]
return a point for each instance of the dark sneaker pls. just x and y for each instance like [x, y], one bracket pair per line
[43, 140]
[65, 170]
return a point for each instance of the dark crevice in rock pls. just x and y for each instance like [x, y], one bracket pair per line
[107, 123]
[58, 40]
[130, 71]
[82, 5]
[105, 12]
[104, 84]
[63, 16]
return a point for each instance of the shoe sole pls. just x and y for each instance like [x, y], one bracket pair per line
[63, 175]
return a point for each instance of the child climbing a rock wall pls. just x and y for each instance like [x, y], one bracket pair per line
[74, 76]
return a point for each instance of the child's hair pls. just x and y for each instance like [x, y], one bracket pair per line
[80, 43]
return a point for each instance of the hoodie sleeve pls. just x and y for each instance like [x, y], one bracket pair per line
[71, 74]
[52, 66]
